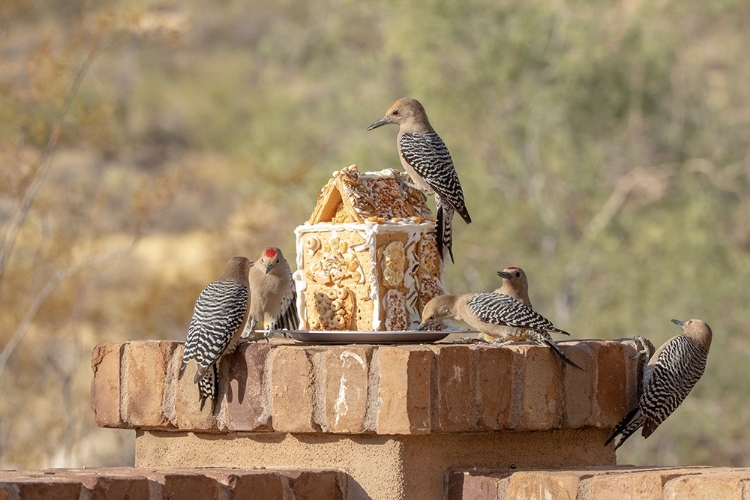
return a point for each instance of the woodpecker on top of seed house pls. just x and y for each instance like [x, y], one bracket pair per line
[426, 159]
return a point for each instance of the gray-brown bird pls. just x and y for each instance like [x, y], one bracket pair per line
[426, 159]
[273, 297]
[218, 317]
[492, 313]
[515, 284]
[670, 375]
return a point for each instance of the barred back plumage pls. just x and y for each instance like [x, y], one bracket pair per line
[501, 309]
[678, 367]
[429, 157]
[219, 312]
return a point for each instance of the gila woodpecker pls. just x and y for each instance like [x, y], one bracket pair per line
[273, 297]
[492, 313]
[219, 315]
[426, 159]
[514, 285]
[668, 378]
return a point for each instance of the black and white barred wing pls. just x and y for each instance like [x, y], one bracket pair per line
[500, 309]
[288, 319]
[219, 313]
[678, 368]
[429, 157]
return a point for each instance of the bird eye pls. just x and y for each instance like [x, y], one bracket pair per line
[518, 274]
[395, 112]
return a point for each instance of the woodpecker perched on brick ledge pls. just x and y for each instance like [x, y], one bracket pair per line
[492, 313]
[670, 375]
[426, 159]
[273, 296]
[218, 318]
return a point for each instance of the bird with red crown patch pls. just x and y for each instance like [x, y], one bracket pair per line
[273, 298]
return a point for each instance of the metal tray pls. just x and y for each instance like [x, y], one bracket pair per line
[351, 337]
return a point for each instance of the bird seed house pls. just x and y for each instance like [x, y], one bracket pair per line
[367, 259]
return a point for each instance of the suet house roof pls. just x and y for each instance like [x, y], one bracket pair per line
[384, 196]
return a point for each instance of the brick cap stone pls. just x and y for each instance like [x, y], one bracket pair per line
[601, 483]
[158, 484]
[287, 387]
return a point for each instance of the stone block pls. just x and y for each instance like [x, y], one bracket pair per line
[494, 386]
[346, 388]
[181, 485]
[292, 391]
[317, 485]
[404, 389]
[542, 388]
[726, 486]
[125, 487]
[455, 389]
[534, 484]
[628, 486]
[243, 378]
[105, 385]
[144, 376]
[578, 385]
[612, 401]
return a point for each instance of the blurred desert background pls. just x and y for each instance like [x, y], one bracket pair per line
[602, 146]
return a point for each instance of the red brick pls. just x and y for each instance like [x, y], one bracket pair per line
[404, 389]
[317, 485]
[180, 486]
[242, 377]
[610, 395]
[144, 379]
[346, 381]
[726, 486]
[124, 487]
[261, 485]
[105, 384]
[477, 485]
[494, 385]
[542, 388]
[454, 387]
[628, 486]
[578, 385]
[46, 489]
[292, 390]
[545, 484]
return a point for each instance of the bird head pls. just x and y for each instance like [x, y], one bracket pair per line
[517, 278]
[404, 110]
[269, 258]
[437, 309]
[236, 269]
[697, 330]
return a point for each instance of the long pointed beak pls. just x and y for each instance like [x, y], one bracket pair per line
[268, 268]
[422, 327]
[679, 323]
[504, 275]
[378, 123]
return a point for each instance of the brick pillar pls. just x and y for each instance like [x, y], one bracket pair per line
[395, 418]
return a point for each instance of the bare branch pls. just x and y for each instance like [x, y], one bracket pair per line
[52, 285]
[22, 211]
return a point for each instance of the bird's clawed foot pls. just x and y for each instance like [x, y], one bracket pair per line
[470, 340]
[646, 350]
